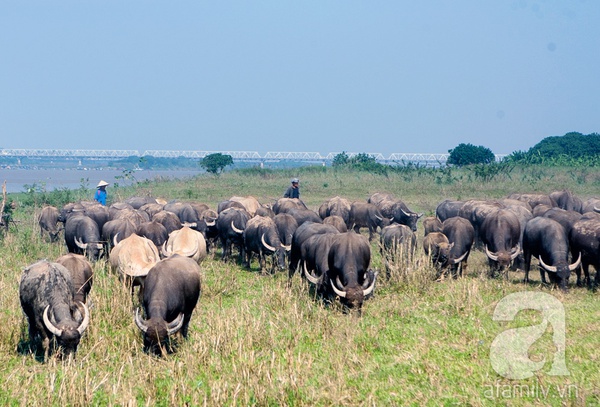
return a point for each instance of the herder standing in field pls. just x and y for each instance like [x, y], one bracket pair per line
[294, 190]
[100, 194]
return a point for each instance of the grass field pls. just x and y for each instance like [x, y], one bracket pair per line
[255, 341]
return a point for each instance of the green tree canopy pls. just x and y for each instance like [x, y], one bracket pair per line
[466, 154]
[216, 162]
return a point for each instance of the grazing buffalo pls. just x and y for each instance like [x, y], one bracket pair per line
[461, 235]
[47, 298]
[185, 212]
[283, 205]
[363, 214]
[116, 230]
[437, 247]
[133, 257]
[315, 261]
[137, 202]
[82, 236]
[223, 205]
[585, 239]
[336, 206]
[154, 231]
[152, 209]
[379, 197]
[304, 215]
[349, 274]
[397, 241]
[186, 242]
[168, 219]
[546, 239]
[81, 274]
[99, 213]
[231, 224]
[48, 222]
[534, 199]
[448, 209]
[262, 237]
[431, 224]
[500, 233]
[398, 212]
[566, 218]
[301, 234]
[475, 211]
[563, 199]
[171, 292]
[337, 221]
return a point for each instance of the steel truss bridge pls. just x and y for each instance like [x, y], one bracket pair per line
[242, 156]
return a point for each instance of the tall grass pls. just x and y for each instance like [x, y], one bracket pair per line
[254, 340]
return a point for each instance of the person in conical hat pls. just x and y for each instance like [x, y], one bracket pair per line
[100, 194]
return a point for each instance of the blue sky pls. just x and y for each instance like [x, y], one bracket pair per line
[324, 76]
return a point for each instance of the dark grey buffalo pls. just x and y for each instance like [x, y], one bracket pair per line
[448, 209]
[231, 224]
[315, 262]
[48, 222]
[47, 298]
[81, 274]
[397, 211]
[431, 224]
[566, 218]
[152, 209]
[304, 215]
[547, 240]
[82, 236]
[229, 204]
[461, 235]
[286, 226]
[137, 202]
[437, 247]
[171, 292]
[364, 214]
[337, 221]
[168, 219]
[336, 206]
[500, 233]
[283, 205]
[475, 211]
[563, 199]
[261, 237]
[349, 274]
[185, 212]
[585, 239]
[534, 199]
[302, 233]
[116, 230]
[99, 213]
[397, 242]
[155, 231]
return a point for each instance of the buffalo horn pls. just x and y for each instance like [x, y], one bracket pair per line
[371, 286]
[115, 241]
[546, 267]
[49, 325]
[140, 322]
[86, 318]
[576, 264]
[491, 255]
[515, 252]
[267, 246]
[165, 252]
[210, 223]
[175, 325]
[309, 276]
[286, 248]
[461, 258]
[337, 291]
[236, 230]
[80, 244]
[596, 209]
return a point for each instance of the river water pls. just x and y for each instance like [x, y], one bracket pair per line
[18, 180]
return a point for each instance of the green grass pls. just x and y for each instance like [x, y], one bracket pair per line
[255, 341]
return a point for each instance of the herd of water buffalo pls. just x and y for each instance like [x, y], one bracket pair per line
[158, 247]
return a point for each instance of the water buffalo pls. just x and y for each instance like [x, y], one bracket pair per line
[48, 222]
[364, 214]
[154, 231]
[566, 218]
[585, 239]
[475, 211]
[185, 212]
[563, 199]
[398, 212]
[81, 274]
[249, 203]
[137, 202]
[231, 224]
[448, 209]
[302, 233]
[47, 298]
[349, 274]
[337, 221]
[431, 224]
[336, 206]
[500, 233]
[186, 242]
[152, 209]
[461, 235]
[304, 215]
[283, 205]
[397, 241]
[116, 230]
[168, 219]
[171, 292]
[261, 236]
[315, 261]
[546, 239]
[82, 236]
[437, 247]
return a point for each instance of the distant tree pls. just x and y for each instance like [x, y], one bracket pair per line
[466, 154]
[216, 162]
[573, 145]
[340, 159]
